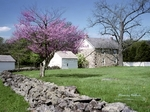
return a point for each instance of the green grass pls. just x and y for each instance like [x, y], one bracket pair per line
[130, 85]
[10, 101]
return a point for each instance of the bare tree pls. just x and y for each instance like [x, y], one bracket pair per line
[121, 21]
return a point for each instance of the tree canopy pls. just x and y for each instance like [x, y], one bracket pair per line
[137, 52]
[47, 33]
[3, 47]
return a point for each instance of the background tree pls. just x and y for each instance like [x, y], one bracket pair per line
[35, 59]
[3, 47]
[143, 52]
[23, 56]
[19, 51]
[46, 33]
[137, 52]
[121, 20]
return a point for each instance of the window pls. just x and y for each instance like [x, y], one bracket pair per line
[103, 51]
[115, 51]
[115, 61]
[103, 61]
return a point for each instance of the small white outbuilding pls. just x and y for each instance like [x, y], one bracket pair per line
[7, 62]
[64, 60]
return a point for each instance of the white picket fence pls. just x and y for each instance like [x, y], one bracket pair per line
[136, 63]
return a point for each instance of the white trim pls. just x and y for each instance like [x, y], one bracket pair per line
[86, 41]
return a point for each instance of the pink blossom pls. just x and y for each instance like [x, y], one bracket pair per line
[46, 36]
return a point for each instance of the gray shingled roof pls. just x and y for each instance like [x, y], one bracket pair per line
[103, 43]
[6, 58]
[66, 54]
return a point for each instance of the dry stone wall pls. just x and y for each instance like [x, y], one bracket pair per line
[48, 97]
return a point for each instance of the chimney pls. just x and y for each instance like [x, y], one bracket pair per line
[86, 36]
[111, 38]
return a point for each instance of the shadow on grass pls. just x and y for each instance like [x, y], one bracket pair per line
[75, 75]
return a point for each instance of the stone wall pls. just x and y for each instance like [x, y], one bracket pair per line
[48, 97]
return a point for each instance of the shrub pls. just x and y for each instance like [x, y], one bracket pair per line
[82, 62]
[54, 67]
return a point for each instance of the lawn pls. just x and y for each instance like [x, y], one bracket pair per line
[10, 101]
[130, 85]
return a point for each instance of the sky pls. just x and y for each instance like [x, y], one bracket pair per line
[75, 11]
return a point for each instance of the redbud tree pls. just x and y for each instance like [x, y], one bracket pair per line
[47, 33]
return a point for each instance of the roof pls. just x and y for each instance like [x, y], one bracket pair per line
[66, 54]
[6, 58]
[103, 43]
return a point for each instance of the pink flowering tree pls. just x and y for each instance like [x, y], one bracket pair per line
[46, 33]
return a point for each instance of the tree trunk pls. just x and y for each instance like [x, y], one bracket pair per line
[42, 69]
[18, 63]
[120, 55]
[120, 58]
[44, 64]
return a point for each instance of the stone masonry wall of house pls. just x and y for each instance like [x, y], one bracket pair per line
[89, 54]
[105, 59]
[97, 59]
[48, 97]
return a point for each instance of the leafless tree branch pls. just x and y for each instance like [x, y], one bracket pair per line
[121, 19]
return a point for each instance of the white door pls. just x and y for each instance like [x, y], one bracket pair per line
[69, 63]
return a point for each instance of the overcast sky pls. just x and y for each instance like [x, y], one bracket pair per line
[76, 11]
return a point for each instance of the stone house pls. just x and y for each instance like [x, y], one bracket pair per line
[99, 51]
